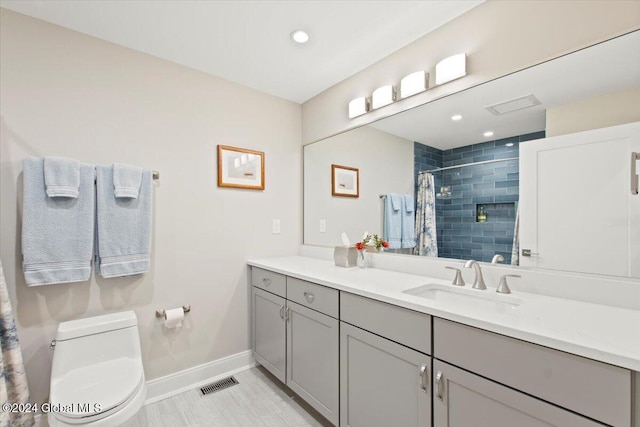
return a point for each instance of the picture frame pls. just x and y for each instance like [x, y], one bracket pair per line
[240, 168]
[345, 181]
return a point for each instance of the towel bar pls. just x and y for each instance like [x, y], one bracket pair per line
[186, 308]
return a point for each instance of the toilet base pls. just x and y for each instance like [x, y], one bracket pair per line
[116, 419]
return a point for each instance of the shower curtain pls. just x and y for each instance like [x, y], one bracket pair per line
[13, 381]
[427, 243]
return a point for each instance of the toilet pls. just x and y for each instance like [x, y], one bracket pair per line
[97, 377]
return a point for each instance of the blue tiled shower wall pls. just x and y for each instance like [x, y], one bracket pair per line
[493, 185]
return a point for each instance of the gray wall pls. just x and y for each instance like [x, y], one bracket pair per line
[71, 95]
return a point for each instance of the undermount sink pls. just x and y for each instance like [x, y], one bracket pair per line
[468, 299]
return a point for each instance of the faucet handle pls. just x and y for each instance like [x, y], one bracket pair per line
[503, 287]
[458, 280]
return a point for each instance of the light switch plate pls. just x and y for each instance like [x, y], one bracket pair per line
[275, 227]
[323, 225]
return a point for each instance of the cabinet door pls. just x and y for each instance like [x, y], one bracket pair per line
[269, 332]
[577, 212]
[382, 383]
[463, 399]
[312, 356]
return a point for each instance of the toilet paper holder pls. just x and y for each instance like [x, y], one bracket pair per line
[186, 308]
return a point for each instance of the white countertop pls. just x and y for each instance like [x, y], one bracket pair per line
[600, 332]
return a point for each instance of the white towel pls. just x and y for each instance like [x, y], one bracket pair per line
[408, 222]
[57, 232]
[393, 220]
[124, 227]
[126, 180]
[61, 177]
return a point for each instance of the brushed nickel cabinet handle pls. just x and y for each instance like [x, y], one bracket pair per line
[309, 296]
[282, 312]
[439, 385]
[266, 281]
[423, 378]
[634, 176]
[287, 314]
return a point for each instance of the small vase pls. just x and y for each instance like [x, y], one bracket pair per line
[362, 259]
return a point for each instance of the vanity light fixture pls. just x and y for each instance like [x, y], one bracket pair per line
[358, 107]
[509, 144]
[382, 96]
[413, 83]
[456, 117]
[488, 133]
[300, 36]
[451, 68]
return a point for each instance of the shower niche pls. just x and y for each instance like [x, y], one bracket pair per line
[496, 212]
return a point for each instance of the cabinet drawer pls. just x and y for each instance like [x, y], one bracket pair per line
[398, 324]
[595, 389]
[269, 281]
[317, 297]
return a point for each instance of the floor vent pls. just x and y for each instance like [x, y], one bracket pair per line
[218, 385]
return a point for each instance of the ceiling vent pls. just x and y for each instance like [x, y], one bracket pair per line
[513, 105]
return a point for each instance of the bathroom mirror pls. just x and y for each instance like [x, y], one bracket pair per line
[544, 100]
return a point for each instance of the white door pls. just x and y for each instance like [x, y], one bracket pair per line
[577, 212]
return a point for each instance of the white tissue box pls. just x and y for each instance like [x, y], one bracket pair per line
[345, 257]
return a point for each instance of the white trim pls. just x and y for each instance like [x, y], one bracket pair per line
[178, 382]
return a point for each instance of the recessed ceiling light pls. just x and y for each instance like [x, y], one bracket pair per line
[456, 117]
[509, 144]
[300, 36]
[488, 133]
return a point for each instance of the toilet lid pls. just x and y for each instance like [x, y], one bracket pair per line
[97, 388]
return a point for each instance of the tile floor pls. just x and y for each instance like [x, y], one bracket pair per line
[259, 400]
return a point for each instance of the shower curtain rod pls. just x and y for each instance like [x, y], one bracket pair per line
[469, 164]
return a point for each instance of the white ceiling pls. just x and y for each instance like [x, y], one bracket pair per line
[608, 67]
[248, 41]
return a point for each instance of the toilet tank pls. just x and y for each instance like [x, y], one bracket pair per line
[95, 340]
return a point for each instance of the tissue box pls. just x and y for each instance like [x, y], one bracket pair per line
[345, 257]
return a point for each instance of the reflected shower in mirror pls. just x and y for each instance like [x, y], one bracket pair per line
[476, 196]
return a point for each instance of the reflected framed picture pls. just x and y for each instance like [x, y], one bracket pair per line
[345, 181]
[240, 168]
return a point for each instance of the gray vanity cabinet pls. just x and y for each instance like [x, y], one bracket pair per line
[382, 383]
[295, 336]
[384, 379]
[312, 354]
[463, 399]
[269, 332]
[523, 377]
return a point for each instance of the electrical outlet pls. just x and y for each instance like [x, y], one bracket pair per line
[323, 225]
[275, 227]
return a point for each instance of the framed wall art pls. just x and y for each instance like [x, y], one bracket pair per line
[240, 168]
[345, 181]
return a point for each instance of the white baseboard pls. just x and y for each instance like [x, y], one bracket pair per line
[170, 385]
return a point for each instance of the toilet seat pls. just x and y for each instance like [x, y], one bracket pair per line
[112, 384]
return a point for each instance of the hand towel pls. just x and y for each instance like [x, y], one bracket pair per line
[126, 180]
[408, 222]
[124, 227]
[57, 232]
[61, 177]
[393, 220]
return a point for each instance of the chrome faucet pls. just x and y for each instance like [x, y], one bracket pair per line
[497, 258]
[478, 282]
